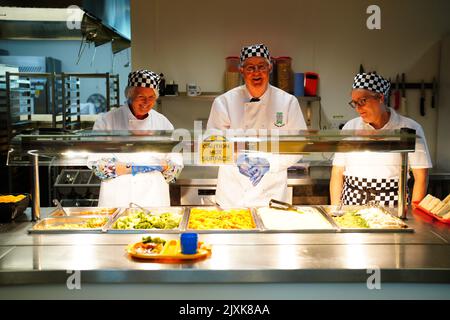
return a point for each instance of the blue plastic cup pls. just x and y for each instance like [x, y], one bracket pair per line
[189, 243]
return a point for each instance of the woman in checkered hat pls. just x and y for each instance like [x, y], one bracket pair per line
[255, 105]
[136, 177]
[359, 177]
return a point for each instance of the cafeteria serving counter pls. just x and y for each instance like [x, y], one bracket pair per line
[242, 266]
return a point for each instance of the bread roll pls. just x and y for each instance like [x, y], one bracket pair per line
[446, 216]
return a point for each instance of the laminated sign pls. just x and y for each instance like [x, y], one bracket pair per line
[216, 150]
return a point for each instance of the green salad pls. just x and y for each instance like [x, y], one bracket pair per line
[351, 219]
[141, 220]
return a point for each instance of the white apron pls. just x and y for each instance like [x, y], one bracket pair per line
[146, 189]
[276, 110]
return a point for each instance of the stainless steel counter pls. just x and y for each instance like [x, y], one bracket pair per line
[422, 256]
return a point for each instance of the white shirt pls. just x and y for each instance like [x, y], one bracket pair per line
[146, 189]
[123, 119]
[374, 165]
[276, 109]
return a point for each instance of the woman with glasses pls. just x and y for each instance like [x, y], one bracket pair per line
[360, 177]
[255, 105]
[141, 178]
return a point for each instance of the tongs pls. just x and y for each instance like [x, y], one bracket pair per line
[280, 205]
[338, 212]
[142, 208]
[60, 207]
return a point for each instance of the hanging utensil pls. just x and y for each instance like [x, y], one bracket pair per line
[280, 205]
[422, 99]
[60, 207]
[403, 109]
[433, 93]
[361, 68]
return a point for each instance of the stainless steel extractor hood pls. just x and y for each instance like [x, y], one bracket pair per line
[70, 23]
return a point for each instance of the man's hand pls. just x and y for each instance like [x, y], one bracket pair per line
[253, 168]
[243, 165]
[259, 168]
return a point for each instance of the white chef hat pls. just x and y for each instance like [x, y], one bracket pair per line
[144, 78]
[371, 81]
[256, 50]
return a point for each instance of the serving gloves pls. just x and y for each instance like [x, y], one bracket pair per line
[254, 168]
[109, 168]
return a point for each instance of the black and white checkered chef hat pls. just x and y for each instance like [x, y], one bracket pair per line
[144, 78]
[371, 81]
[256, 50]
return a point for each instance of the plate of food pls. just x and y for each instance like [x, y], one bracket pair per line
[155, 248]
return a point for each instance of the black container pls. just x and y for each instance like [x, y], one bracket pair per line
[11, 210]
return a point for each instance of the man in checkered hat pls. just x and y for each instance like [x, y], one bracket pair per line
[360, 177]
[253, 106]
[141, 177]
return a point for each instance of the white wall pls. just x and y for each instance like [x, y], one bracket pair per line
[189, 40]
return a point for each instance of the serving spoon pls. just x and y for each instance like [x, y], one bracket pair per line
[60, 207]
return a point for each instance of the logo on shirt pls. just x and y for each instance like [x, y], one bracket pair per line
[279, 119]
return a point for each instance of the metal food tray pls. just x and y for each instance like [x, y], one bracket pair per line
[54, 221]
[258, 225]
[154, 211]
[77, 211]
[326, 210]
[334, 227]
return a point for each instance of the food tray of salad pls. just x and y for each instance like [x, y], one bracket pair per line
[369, 219]
[138, 220]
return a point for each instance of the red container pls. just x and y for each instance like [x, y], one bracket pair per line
[311, 83]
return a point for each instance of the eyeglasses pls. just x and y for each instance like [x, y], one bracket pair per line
[253, 68]
[362, 102]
